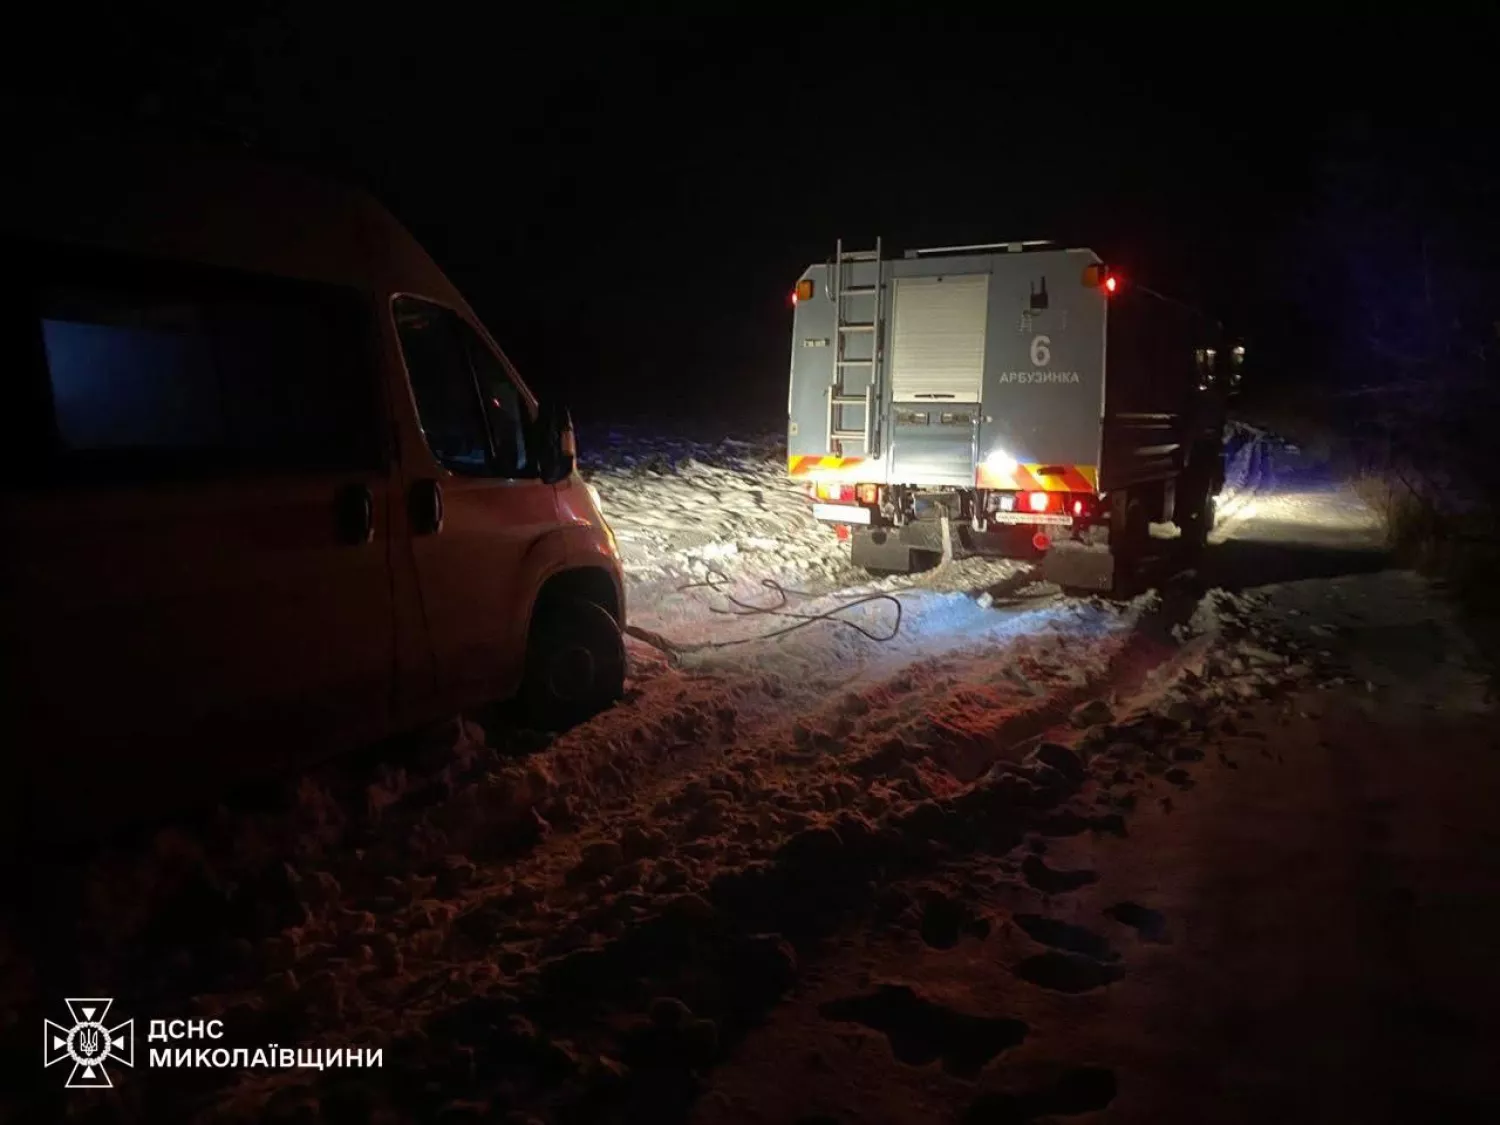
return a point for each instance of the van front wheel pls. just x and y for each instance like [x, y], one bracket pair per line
[575, 663]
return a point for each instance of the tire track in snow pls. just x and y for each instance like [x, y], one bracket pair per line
[911, 737]
[1034, 970]
[1247, 477]
[732, 948]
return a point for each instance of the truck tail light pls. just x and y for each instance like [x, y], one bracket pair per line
[1039, 501]
[837, 493]
[869, 494]
[804, 291]
[1101, 277]
[1085, 506]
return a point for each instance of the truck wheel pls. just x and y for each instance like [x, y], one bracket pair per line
[1130, 526]
[575, 664]
[1198, 518]
[1129, 540]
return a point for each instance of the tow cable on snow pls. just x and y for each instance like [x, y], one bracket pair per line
[717, 581]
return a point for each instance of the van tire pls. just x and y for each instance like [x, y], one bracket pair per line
[575, 663]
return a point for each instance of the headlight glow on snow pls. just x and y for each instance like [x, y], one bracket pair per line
[594, 496]
[1001, 461]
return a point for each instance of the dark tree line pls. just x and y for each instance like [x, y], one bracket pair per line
[1393, 295]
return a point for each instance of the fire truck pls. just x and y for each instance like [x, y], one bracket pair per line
[1016, 398]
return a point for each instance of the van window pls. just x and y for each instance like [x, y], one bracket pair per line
[151, 369]
[503, 406]
[470, 410]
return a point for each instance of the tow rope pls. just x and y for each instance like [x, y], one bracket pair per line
[718, 583]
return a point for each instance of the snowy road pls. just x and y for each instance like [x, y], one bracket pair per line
[891, 860]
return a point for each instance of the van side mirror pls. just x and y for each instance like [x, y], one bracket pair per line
[558, 449]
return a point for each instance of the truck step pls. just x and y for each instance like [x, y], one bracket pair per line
[850, 400]
[860, 256]
[858, 327]
[854, 362]
[858, 290]
[849, 435]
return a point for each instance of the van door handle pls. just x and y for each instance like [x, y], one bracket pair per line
[354, 512]
[427, 507]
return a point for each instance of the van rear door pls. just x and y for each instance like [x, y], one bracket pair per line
[197, 518]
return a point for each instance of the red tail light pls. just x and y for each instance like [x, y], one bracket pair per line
[1039, 501]
[1100, 276]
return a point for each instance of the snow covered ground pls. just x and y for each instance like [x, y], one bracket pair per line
[679, 508]
[564, 927]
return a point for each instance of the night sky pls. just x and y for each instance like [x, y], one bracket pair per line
[628, 201]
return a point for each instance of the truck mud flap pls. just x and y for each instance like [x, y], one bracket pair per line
[1074, 566]
[898, 550]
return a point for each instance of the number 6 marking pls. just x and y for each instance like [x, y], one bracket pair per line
[1041, 351]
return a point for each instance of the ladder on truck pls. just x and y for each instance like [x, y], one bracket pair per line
[856, 319]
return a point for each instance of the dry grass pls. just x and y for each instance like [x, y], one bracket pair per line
[1414, 530]
[1464, 553]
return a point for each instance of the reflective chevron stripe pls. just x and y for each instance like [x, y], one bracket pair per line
[1039, 478]
[812, 466]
